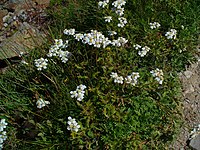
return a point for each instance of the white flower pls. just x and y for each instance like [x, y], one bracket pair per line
[64, 55]
[122, 22]
[72, 124]
[114, 75]
[95, 38]
[119, 42]
[108, 18]
[79, 92]
[158, 74]
[57, 50]
[154, 25]
[119, 3]
[144, 51]
[117, 79]
[78, 36]
[112, 33]
[73, 94]
[58, 42]
[41, 63]
[81, 87]
[103, 4]
[171, 34]
[69, 31]
[132, 79]
[41, 103]
[3, 124]
[136, 46]
[119, 11]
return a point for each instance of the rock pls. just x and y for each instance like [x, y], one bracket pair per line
[27, 38]
[195, 143]
[188, 89]
[188, 74]
[42, 3]
[2, 2]
[3, 13]
[17, 5]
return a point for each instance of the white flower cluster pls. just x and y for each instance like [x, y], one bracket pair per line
[117, 79]
[69, 31]
[103, 4]
[133, 78]
[154, 25]
[143, 51]
[158, 74]
[108, 18]
[171, 34]
[3, 135]
[95, 38]
[195, 132]
[118, 7]
[122, 22]
[41, 103]
[41, 63]
[130, 79]
[72, 124]
[79, 92]
[119, 42]
[57, 50]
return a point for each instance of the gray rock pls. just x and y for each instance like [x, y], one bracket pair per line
[188, 74]
[195, 143]
[27, 38]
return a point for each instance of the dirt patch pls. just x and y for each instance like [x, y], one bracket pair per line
[191, 105]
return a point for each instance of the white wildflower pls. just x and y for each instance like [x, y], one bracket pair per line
[69, 31]
[108, 18]
[158, 74]
[78, 36]
[3, 137]
[122, 22]
[41, 103]
[72, 124]
[3, 124]
[119, 42]
[132, 79]
[136, 46]
[119, 11]
[117, 79]
[112, 33]
[154, 25]
[144, 51]
[41, 63]
[79, 92]
[119, 3]
[171, 34]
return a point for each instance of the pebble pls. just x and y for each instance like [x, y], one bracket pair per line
[195, 143]
[188, 74]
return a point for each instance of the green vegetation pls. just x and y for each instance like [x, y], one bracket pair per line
[111, 115]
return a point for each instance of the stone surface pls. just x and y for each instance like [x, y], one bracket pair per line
[27, 38]
[42, 3]
[188, 74]
[195, 143]
[3, 13]
[191, 105]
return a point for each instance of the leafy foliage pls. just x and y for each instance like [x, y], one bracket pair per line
[111, 116]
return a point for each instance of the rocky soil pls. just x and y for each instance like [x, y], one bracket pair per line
[21, 23]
